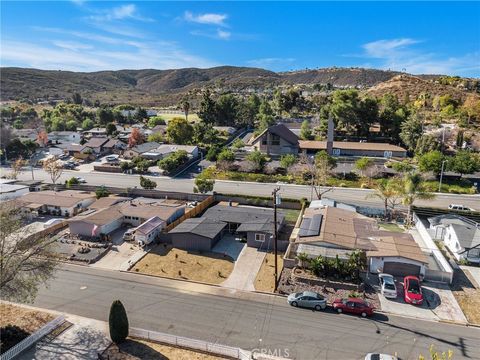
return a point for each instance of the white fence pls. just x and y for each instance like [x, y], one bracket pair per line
[32, 339]
[444, 275]
[218, 349]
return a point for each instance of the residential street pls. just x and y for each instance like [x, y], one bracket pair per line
[248, 320]
[351, 196]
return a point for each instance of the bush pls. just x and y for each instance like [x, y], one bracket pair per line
[146, 183]
[102, 192]
[173, 161]
[118, 322]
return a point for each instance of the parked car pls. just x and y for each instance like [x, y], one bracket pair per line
[459, 207]
[80, 180]
[307, 299]
[376, 356]
[353, 306]
[387, 286]
[412, 290]
[129, 235]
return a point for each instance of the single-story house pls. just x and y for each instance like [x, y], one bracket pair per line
[71, 148]
[165, 150]
[12, 191]
[65, 136]
[131, 212]
[254, 223]
[96, 132]
[159, 129]
[460, 235]
[97, 144]
[348, 148]
[114, 146]
[140, 149]
[334, 231]
[149, 230]
[65, 203]
[197, 234]
[276, 140]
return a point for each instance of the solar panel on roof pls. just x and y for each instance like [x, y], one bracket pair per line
[310, 226]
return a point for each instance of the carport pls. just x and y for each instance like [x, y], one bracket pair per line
[401, 269]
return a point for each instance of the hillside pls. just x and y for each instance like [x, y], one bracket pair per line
[413, 86]
[166, 87]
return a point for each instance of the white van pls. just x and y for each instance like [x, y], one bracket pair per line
[459, 207]
[129, 235]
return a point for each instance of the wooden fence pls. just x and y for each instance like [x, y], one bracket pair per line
[192, 212]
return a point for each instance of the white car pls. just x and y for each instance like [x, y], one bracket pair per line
[387, 286]
[81, 180]
[377, 356]
[459, 207]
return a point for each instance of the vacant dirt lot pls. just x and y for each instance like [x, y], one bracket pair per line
[134, 349]
[468, 297]
[169, 262]
[264, 280]
[25, 320]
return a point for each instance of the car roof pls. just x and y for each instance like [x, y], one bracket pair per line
[357, 300]
[309, 293]
[411, 277]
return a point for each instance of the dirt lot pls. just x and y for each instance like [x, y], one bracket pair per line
[27, 321]
[264, 280]
[468, 297]
[166, 261]
[133, 349]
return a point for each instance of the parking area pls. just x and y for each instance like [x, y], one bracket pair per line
[439, 302]
[122, 254]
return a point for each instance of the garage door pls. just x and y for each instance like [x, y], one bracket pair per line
[400, 269]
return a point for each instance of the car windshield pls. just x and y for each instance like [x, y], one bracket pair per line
[414, 287]
[389, 286]
[375, 357]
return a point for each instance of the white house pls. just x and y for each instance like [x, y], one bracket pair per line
[62, 203]
[460, 235]
[149, 230]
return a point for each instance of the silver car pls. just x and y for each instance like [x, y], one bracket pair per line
[307, 299]
[387, 286]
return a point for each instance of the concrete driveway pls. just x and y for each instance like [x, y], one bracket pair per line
[439, 304]
[229, 246]
[245, 271]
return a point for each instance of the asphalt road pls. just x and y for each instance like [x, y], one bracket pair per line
[351, 196]
[248, 320]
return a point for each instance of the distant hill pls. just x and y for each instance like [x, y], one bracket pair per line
[166, 87]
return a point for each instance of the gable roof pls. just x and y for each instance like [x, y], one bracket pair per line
[107, 201]
[468, 236]
[95, 142]
[199, 226]
[67, 198]
[280, 130]
[148, 146]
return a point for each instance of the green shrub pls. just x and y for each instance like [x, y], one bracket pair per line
[118, 322]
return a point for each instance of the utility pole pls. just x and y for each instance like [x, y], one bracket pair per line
[276, 201]
[441, 176]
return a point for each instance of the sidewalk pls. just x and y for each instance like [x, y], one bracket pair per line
[83, 340]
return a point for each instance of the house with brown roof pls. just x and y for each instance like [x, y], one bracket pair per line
[103, 221]
[349, 148]
[97, 144]
[276, 140]
[63, 203]
[332, 231]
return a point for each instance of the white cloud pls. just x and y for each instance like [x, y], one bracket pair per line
[401, 55]
[127, 11]
[223, 34]
[270, 62]
[218, 34]
[71, 45]
[150, 54]
[208, 18]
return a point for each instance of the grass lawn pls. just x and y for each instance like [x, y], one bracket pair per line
[264, 280]
[27, 321]
[166, 261]
[133, 349]
[467, 296]
[291, 215]
[391, 227]
[192, 118]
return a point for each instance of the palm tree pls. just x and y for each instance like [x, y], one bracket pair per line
[186, 108]
[413, 189]
[384, 192]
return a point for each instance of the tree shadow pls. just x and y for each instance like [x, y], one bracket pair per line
[132, 349]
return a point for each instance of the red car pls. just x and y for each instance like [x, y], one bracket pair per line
[412, 290]
[354, 306]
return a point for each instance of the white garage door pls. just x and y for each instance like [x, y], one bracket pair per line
[401, 269]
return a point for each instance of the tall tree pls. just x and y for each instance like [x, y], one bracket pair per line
[54, 168]
[413, 189]
[306, 131]
[26, 259]
[384, 191]
[185, 105]
[179, 131]
[321, 170]
[135, 138]
[411, 131]
[207, 111]
[265, 116]
[364, 164]
[226, 109]
[464, 162]
[118, 322]
[431, 161]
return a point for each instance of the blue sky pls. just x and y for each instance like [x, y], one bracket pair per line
[80, 35]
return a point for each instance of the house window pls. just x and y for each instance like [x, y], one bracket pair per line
[275, 140]
[260, 237]
[473, 253]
